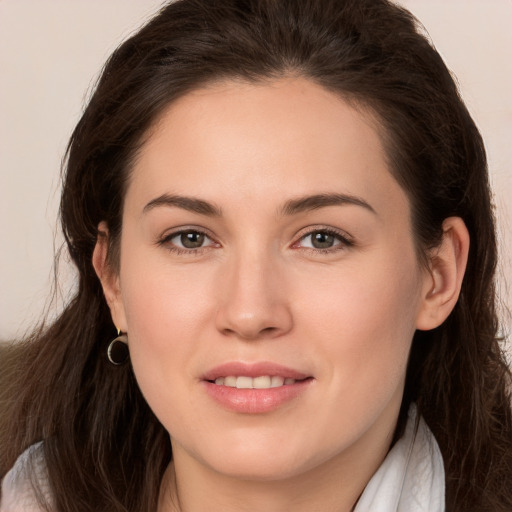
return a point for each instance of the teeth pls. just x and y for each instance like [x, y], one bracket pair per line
[230, 381]
[262, 382]
[244, 382]
[276, 382]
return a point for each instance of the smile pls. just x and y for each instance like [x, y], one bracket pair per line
[255, 388]
[261, 382]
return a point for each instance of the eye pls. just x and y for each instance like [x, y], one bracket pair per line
[324, 240]
[188, 240]
[320, 240]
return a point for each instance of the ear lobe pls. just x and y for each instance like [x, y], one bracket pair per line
[108, 278]
[443, 282]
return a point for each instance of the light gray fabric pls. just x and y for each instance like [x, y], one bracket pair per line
[17, 492]
[411, 478]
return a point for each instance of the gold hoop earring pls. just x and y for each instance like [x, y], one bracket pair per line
[117, 350]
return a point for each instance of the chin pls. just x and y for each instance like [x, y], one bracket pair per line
[262, 469]
[260, 460]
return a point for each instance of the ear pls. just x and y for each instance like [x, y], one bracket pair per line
[109, 278]
[443, 281]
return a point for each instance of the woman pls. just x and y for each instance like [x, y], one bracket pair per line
[281, 219]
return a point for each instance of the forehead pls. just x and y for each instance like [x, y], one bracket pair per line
[235, 140]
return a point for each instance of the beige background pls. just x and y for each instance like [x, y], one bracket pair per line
[50, 53]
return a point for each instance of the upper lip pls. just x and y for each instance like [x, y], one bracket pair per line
[258, 369]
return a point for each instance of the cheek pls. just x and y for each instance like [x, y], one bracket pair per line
[161, 301]
[165, 313]
[364, 321]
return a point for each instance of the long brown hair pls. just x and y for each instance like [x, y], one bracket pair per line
[103, 447]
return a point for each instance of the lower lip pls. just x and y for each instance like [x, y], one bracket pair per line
[255, 401]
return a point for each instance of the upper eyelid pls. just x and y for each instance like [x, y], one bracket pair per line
[302, 233]
[327, 229]
[171, 233]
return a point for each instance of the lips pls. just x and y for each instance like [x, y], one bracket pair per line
[254, 388]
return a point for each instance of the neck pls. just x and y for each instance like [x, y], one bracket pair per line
[220, 495]
[333, 486]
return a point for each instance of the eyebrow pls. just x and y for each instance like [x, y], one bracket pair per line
[190, 204]
[291, 207]
[317, 201]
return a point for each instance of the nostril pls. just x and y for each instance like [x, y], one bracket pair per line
[250, 322]
[248, 334]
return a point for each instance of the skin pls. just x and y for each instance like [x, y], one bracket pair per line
[258, 291]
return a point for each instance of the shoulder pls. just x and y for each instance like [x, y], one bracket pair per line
[18, 494]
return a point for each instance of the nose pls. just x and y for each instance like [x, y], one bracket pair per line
[253, 301]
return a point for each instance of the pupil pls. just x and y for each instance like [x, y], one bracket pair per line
[192, 240]
[322, 240]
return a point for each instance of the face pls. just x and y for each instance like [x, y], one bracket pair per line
[268, 279]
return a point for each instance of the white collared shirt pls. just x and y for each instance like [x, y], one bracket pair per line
[411, 478]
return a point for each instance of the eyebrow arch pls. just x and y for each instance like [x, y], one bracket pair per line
[317, 201]
[190, 204]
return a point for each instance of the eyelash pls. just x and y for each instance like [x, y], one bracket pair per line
[166, 241]
[344, 241]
